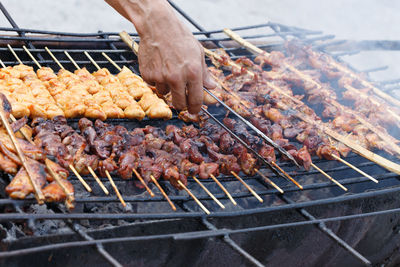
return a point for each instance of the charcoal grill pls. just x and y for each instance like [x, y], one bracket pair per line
[320, 225]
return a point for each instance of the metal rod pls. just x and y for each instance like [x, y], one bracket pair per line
[194, 197]
[115, 189]
[209, 193]
[163, 192]
[247, 186]
[223, 189]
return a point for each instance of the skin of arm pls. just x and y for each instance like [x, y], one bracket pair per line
[169, 55]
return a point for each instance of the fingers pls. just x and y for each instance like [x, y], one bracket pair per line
[195, 95]
[208, 81]
[178, 92]
[162, 88]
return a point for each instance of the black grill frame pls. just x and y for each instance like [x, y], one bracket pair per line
[110, 43]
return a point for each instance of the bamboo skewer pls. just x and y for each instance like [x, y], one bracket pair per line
[37, 191]
[355, 168]
[327, 176]
[72, 60]
[163, 192]
[54, 58]
[14, 54]
[209, 193]
[389, 140]
[115, 189]
[269, 181]
[83, 182]
[87, 187]
[92, 60]
[111, 61]
[247, 186]
[69, 195]
[194, 197]
[387, 164]
[127, 39]
[143, 183]
[223, 189]
[98, 180]
[22, 132]
[2, 64]
[287, 175]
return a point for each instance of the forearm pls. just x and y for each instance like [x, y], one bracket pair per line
[150, 17]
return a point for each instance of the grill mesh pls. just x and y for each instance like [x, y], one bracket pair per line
[95, 210]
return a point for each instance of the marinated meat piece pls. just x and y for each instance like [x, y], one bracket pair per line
[248, 163]
[291, 133]
[208, 142]
[7, 165]
[267, 152]
[190, 131]
[226, 143]
[54, 193]
[325, 151]
[20, 186]
[153, 142]
[109, 165]
[128, 161]
[62, 172]
[303, 158]
[206, 169]
[188, 168]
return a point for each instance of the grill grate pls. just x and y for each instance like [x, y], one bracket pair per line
[318, 194]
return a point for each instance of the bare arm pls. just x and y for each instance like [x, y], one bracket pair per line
[169, 55]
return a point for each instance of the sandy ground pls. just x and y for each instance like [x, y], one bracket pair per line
[354, 19]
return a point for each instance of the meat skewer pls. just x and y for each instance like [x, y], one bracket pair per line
[328, 101]
[223, 189]
[87, 187]
[247, 186]
[154, 180]
[121, 199]
[194, 197]
[5, 109]
[342, 139]
[143, 182]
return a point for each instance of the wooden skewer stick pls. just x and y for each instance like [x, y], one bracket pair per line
[83, 182]
[54, 58]
[269, 181]
[143, 182]
[98, 180]
[209, 193]
[115, 189]
[69, 195]
[223, 189]
[14, 54]
[194, 197]
[38, 193]
[126, 38]
[287, 175]
[2, 64]
[92, 60]
[163, 192]
[111, 61]
[329, 177]
[22, 132]
[247, 186]
[72, 60]
[31, 56]
[355, 168]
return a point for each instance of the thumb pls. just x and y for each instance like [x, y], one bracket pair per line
[208, 81]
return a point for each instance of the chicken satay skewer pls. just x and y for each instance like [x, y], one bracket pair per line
[194, 197]
[143, 183]
[247, 186]
[87, 187]
[115, 189]
[38, 193]
[209, 193]
[212, 54]
[163, 192]
[69, 195]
